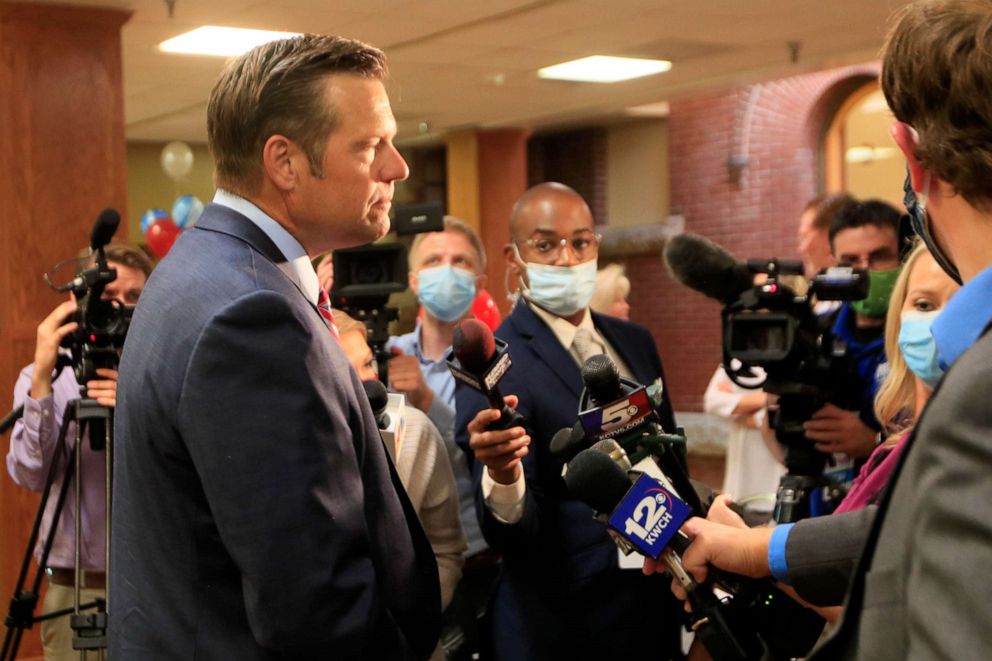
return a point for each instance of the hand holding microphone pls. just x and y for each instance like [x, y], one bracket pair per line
[499, 450]
[496, 435]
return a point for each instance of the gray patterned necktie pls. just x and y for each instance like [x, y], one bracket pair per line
[585, 345]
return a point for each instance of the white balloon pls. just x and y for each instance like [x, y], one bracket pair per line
[177, 160]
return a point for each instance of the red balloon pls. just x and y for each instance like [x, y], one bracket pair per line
[161, 235]
[485, 309]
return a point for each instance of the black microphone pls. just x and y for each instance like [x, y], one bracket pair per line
[702, 265]
[643, 516]
[104, 228]
[568, 442]
[643, 513]
[378, 399]
[602, 378]
[480, 360]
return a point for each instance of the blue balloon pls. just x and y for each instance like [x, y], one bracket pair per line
[186, 211]
[150, 217]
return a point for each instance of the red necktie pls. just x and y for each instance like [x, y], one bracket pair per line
[324, 307]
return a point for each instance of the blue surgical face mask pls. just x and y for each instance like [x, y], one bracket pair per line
[561, 290]
[446, 292]
[918, 347]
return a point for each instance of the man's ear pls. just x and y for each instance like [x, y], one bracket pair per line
[280, 157]
[511, 259]
[480, 281]
[414, 282]
[907, 141]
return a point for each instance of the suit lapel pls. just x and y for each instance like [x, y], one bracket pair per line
[544, 344]
[228, 221]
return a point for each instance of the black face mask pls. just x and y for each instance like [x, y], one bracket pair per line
[921, 225]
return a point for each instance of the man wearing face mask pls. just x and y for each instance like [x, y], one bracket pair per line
[447, 268]
[862, 235]
[562, 593]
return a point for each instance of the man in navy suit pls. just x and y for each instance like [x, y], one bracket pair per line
[561, 593]
[256, 513]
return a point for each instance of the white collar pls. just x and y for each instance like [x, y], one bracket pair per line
[563, 329]
[288, 245]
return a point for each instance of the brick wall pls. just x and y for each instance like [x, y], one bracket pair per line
[777, 127]
[575, 158]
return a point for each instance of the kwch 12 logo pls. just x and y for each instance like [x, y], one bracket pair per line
[649, 516]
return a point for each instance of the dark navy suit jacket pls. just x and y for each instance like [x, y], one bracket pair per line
[561, 594]
[256, 513]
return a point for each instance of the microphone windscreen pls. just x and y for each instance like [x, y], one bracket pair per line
[378, 397]
[597, 480]
[702, 265]
[104, 228]
[473, 345]
[561, 446]
[602, 378]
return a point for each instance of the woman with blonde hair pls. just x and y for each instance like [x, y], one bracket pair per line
[612, 289]
[920, 293]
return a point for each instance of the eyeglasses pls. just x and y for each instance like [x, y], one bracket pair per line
[583, 247]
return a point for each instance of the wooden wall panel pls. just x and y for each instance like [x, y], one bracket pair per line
[62, 160]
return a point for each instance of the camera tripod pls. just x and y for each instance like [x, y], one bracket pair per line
[89, 628]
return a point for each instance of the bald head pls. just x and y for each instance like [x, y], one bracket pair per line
[546, 205]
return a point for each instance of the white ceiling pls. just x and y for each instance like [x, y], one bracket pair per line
[472, 63]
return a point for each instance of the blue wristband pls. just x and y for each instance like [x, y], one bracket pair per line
[776, 552]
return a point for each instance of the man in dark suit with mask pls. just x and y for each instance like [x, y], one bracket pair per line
[561, 593]
[256, 512]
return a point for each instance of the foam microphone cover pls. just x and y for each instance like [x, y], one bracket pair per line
[378, 397]
[474, 345]
[602, 378]
[597, 480]
[104, 228]
[702, 265]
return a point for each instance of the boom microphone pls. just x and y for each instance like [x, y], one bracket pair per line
[702, 265]
[480, 361]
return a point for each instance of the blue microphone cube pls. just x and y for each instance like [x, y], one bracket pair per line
[649, 516]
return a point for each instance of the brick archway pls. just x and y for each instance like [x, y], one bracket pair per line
[743, 162]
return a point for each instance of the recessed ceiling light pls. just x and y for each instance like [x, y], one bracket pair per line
[659, 109]
[221, 41]
[604, 69]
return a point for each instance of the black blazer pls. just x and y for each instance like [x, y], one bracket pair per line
[256, 514]
[561, 586]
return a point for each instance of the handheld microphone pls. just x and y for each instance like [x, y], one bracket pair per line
[378, 399]
[645, 514]
[480, 360]
[568, 442]
[702, 265]
[645, 517]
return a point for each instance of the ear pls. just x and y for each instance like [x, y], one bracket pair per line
[414, 282]
[515, 271]
[480, 281]
[907, 141]
[280, 162]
